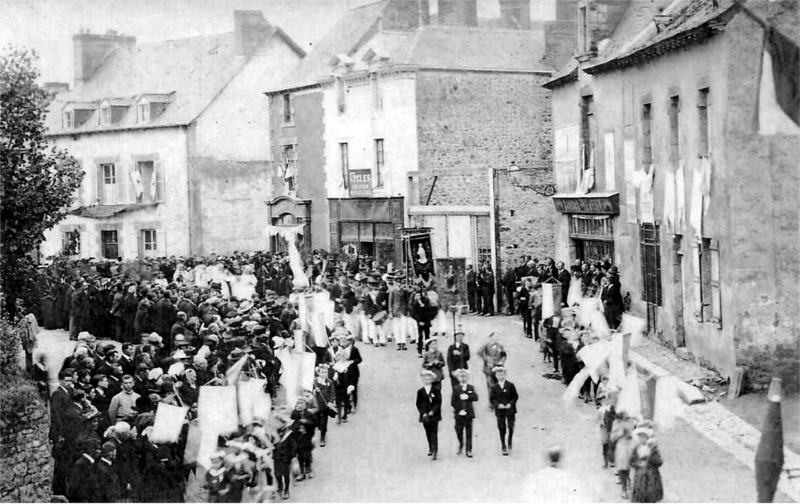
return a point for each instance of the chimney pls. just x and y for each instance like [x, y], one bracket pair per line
[561, 42]
[596, 21]
[516, 14]
[458, 12]
[406, 15]
[56, 87]
[91, 50]
[250, 28]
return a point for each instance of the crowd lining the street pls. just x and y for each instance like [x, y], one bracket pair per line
[182, 323]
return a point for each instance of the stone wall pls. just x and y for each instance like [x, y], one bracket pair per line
[481, 120]
[763, 199]
[471, 122]
[25, 455]
[527, 219]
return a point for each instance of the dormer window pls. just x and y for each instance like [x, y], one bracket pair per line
[105, 114]
[143, 112]
[69, 119]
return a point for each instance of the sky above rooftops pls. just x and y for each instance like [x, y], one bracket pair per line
[47, 26]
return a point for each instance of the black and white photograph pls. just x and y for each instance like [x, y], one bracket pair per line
[383, 251]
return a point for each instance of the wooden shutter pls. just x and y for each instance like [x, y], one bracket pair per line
[158, 173]
[698, 281]
[140, 242]
[334, 223]
[121, 176]
[161, 243]
[716, 294]
[100, 197]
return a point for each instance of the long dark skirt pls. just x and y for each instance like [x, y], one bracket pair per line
[647, 486]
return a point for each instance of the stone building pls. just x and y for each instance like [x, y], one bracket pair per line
[170, 136]
[659, 166]
[420, 124]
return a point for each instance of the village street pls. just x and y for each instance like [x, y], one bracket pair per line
[380, 454]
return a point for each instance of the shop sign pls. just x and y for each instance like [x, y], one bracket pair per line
[598, 205]
[360, 183]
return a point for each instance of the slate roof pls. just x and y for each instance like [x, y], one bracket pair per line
[683, 18]
[191, 72]
[638, 16]
[343, 38]
[457, 48]
[687, 21]
[466, 48]
[431, 46]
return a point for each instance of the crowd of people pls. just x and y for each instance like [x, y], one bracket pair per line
[182, 323]
[628, 442]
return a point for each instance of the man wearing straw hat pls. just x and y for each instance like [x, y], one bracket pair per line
[429, 406]
[463, 396]
[503, 397]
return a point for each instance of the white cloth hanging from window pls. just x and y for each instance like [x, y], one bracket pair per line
[153, 185]
[136, 178]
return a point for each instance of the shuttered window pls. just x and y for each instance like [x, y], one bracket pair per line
[707, 285]
[716, 294]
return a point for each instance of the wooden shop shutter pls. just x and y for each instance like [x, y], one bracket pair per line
[698, 281]
[334, 223]
[716, 294]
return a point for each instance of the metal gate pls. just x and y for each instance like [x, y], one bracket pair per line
[651, 272]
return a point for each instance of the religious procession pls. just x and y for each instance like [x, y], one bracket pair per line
[399, 251]
[232, 379]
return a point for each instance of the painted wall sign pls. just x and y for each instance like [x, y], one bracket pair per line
[360, 183]
[602, 205]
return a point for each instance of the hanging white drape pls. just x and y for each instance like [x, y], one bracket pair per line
[289, 233]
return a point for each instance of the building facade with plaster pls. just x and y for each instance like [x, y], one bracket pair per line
[170, 136]
[420, 122]
[659, 166]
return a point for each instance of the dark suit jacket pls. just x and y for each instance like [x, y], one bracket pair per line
[353, 373]
[59, 403]
[459, 404]
[504, 395]
[372, 307]
[127, 365]
[458, 361]
[612, 295]
[429, 404]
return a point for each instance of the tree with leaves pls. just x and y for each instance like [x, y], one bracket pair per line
[37, 182]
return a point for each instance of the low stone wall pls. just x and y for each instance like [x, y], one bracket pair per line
[25, 472]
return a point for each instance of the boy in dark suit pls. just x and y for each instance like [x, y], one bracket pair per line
[503, 396]
[457, 357]
[463, 396]
[429, 405]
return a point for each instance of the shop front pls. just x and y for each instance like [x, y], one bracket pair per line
[368, 227]
[590, 219]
